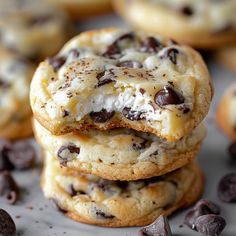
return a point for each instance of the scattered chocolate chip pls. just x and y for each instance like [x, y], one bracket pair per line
[65, 151]
[160, 227]
[187, 11]
[232, 150]
[130, 64]
[142, 91]
[171, 54]
[7, 225]
[132, 115]
[5, 163]
[202, 207]
[101, 116]
[168, 96]
[227, 188]
[8, 187]
[210, 225]
[151, 45]
[57, 62]
[22, 155]
[102, 215]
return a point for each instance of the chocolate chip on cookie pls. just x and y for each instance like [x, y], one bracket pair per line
[227, 188]
[159, 227]
[210, 224]
[171, 54]
[151, 45]
[8, 187]
[57, 62]
[168, 96]
[22, 155]
[102, 215]
[187, 11]
[7, 225]
[131, 114]
[101, 116]
[105, 77]
[130, 64]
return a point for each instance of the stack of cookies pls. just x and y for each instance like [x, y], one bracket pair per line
[118, 115]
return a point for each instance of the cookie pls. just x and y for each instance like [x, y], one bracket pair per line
[111, 78]
[35, 31]
[92, 200]
[203, 24]
[121, 154]
[80, 9]
[225, 114]
[15, 76]
[227, 56]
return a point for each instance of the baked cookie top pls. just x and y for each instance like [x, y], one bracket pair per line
[34, 29]
[121, 154]
[15, 76]
[112, 78]
[94, 200]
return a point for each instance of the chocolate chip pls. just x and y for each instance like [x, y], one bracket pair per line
[71, 190]
[131, 114]
[101, 116]
[142, 91]
[66, 113]
[171, 54]
[5, 163]
[105, 77]
[74, 52]
[187, 11]
[7, 225]
[57, 62]
[232, 150]
[227, 188]
[139, 146]
[8, 187]
[22, 155]
[202, 207]
[64, 153]
[210, 225]
[130, 64]
[159, 227]
[102, 215]
[168, 96]
[151, 45]
[114, 49]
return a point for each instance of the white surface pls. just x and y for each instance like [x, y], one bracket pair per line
[44, 220]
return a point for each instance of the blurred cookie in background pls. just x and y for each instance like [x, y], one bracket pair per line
[226, 113]
[227, 56]
[202, 24]
[33, 29]
[15, 76]
[80, 9]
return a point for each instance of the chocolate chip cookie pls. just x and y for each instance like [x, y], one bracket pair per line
[206, 24]
[120, 154]
[111, 78]
[92, 200]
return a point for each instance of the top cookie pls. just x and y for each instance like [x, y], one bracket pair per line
[110, 78]
[201, 23]
[32, 28]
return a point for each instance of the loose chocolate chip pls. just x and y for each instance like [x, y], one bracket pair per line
[203, 207]
[130, 64]
[132, 115]
[7, 225]
[101, 116]
[65, 151]
[8, 187]
[227, 188]
[102, 215]
[187, 11]
[168, 96]
[57, 62]
[232, 150]
[5, 163]
[151, 45]
[210, 225]
[171, 54]
[22, 155]
[159, 227]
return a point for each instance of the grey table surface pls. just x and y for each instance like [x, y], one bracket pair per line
[34, 215]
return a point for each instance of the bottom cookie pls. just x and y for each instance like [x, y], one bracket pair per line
[17, 129]
[90, 199]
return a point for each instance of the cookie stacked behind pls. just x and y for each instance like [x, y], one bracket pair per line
[121, 113]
